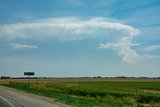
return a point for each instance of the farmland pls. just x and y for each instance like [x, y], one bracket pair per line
[57, 80]
[95, 92]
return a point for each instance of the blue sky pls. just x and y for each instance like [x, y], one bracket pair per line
[63, 38]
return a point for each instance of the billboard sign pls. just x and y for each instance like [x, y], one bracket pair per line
[28, 73]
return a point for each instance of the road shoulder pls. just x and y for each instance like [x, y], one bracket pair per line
[11, 94]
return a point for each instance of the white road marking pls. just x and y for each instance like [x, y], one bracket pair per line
[7, 101]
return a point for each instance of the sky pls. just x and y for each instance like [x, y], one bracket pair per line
[79, 38]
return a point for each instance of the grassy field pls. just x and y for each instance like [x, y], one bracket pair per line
[97, 93]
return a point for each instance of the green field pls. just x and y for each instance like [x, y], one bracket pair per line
[97, 94]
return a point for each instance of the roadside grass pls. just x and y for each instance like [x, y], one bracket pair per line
[97, 94]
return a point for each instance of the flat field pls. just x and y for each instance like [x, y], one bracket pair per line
[57, 80]
[96, 93]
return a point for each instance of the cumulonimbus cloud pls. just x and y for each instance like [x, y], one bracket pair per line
[74, 28]
[21, 46]
[63, 28]
[123, 48]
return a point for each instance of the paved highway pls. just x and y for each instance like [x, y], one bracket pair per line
[14, 98]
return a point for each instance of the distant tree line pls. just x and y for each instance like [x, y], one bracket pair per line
[5, 77]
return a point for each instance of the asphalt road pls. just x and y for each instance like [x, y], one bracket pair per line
[14, 98]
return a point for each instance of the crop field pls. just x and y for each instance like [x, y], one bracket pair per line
[57, 80]
[97, 93]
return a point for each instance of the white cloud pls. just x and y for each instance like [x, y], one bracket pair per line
[74, 28]
[21, 46]
[123, 47]
[63, 28]
[152, 47]
[150, 56]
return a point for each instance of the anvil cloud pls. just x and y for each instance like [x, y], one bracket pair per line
[73, 28]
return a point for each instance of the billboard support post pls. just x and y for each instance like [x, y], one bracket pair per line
[29, 74]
